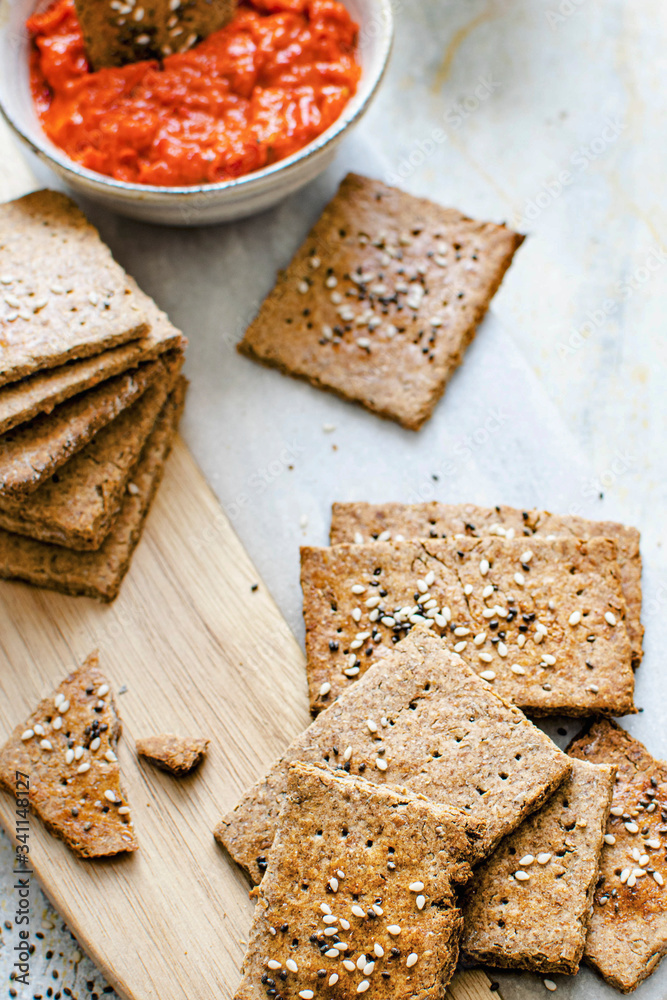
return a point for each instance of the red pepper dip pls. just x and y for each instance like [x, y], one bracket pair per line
[262, 87]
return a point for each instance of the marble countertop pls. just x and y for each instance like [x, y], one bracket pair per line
[547, 114]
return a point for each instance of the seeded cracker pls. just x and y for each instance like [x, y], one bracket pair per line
[62, 295]
[358, 894]
[177, 754]
[382, 300]
[31, 454]
[628, 930]
[67, 748]
[41, 392]
[551, 639]
[419, 718]
[116, 33]
[77, 506]
[359, 522]
[528, 906]
[100, 573]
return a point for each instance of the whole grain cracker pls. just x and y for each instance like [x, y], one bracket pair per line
[177, 754]
[548, 633]
[62, 295]
[99, 573]
[41, 392]
[528, 906]
[65, 751]
[30, 454]
[113, 38]
[77, 506]
[382, 299]
[419, 718]
[358, 522]
[360, 886]
[627, 937]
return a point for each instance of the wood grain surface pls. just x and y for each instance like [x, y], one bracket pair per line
[201, 654]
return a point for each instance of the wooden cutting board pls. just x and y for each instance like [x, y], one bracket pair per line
[201, 654]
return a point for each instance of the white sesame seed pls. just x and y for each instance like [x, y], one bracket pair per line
[291, 965]
[416, 886]
[420, 901]
[358, 912]
[110, 795]
[488, 612]
[46, 745]
[575, 618]
[329, 918]
[522, 876]
[333, 979]
[480, 639]
[332, 953]
[484, 567]
[331, 281]
[527, 860]
[361, 962]
[356, 644]
[429, 579]
[39, 729]
[69, 756]
[543, 859]
[526, 556]
[356, 614]
[123, 810]
[519, 579]
[78, 753]
[345, 924]
[110, 756]
[357, 588]
[389, 622]
[636, 853]
[550, 984]
[549, 659]
[461, 630]
[273, 964]
[373, 602]
[63, 707]
[502, 649]
[460, 646]
[625, 875]
[467, 590]
[347, 964]
[411, 959]
[58, 722]
[102, 690]
[394, 930]
[654, 843]
[27, 734]
[517, 669]
[610, 839]
[362, 987]
[325, 908]
[616, 810]
[632, 881]
[593, 688]
[372, 726]
[95, 744]
[488, 590]
[82, 768]
[379, 950]
[333, 884]
[380, 764]
[631, 827]
[368, 968]
[644, 860]
[610, 618]
[58, 698]
[658, 878]
[377, 909]
[486, 657]
[306, 995]
[637, 873]
[488, 675]
[539, 627]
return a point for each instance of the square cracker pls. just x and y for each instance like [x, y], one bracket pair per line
[100, 573]
[62, 295]
[442, 732]
[376, 866]
[65, 748]
[77, 506]
[113, 39]
[539, 921]
[500, 603]
[30, 454]
[358, 522]
[41, 392]
[412, 282]
[627, 936]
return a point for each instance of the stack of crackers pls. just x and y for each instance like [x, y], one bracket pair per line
[422, 813]
[90, 398]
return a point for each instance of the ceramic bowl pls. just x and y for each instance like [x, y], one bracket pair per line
[207, 203]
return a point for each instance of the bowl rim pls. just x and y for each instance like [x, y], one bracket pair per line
[355, 108]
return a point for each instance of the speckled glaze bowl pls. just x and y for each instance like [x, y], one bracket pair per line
[207, 203]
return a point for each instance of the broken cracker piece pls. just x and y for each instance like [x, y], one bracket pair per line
[360, 885]
[382, 299]
[419, 718]
[66, 751]
[627, 937]
[177, 754]
[528, 906]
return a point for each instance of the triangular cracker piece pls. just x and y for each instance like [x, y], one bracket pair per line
[382, 300]
[358, 895]
[66, 748]
[528, 906]
[422, 719]
[627, 936]
[366, 522]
